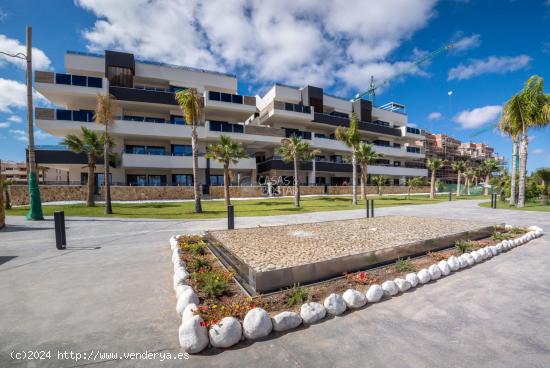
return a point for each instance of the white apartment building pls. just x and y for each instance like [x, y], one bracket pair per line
[153, 142]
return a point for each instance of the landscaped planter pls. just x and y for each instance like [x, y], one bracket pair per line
[194, 336]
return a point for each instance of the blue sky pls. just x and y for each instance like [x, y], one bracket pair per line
[499, 45]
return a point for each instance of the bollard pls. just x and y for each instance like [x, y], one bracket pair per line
[450, 196]
[372, 208]
[230, 217]
[367, 207]
[60, 236]
[494, 200]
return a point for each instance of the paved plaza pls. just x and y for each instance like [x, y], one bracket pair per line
[111, 291]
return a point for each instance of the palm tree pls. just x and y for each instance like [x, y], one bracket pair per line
[490, 166]
[91, 144]
[543, 174]
[294, 149]
[365, 155]
[459, 167]
[469, 174]
[226, 151]
[413, 183]
[510, 126]
[192, 105]
[434, 165]
[502, 184]
[379, 181]
[351, 137]
[530, 108]
[105, 108]
[5, 183]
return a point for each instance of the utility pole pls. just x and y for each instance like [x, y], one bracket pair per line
[35, 204]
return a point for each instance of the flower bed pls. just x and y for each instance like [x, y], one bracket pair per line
[215, 311]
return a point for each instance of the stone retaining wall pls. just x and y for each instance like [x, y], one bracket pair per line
[339, 190]
[237, 192]
[19, 194]
[126, 193]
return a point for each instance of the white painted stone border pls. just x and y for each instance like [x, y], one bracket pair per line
[194, 336]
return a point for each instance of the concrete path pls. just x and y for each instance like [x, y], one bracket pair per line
[111, 292]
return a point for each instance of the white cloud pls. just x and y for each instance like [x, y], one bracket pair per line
[492, 64]
[15, 119]
[434, 116]
[19, 134]
[3, 15]
[13, 95]
[537, 151]
[295, 42]
[466, 43]
[4, 125]
[471, 119]
[13, 46]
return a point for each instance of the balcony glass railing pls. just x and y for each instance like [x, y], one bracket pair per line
[225, 97]
[413, 130]
[51, 147]
[223, 126]
[297, 108]
[413, 150]
[75, 115]
[78, 80]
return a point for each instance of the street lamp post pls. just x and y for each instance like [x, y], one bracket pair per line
[35, 204]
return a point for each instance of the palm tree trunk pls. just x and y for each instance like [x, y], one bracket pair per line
[2, 211]
[7, 204]
[196, 189]
[90, 202]
[468, 186]
[514, 171]
[545, 194]
[354, 178]
[106, 183]
[296, 184]
[458, 184]
[432, 185]
[522, 169]
[363, 181]
[486, 189]
[408, 193]
[226, 183]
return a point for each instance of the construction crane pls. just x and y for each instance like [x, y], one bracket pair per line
[371, 92]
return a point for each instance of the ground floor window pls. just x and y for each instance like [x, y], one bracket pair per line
[320, 180]
[183, 180]
[216, 180]
[156, 180]
[340, 181]
[136, 180]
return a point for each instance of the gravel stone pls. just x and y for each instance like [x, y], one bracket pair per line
[335, 304]
[312, 312]
[354, 299]
[375, 293]
[286, 321]
[412, 278]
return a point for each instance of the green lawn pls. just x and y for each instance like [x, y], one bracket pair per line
[216, 209]
[529, 206]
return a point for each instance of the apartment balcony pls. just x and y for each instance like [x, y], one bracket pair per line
[378, 126]
[413, 133]
[230, 105]
[279, 111]
[138, 96]
[145, 161]
[396, 171]
[404, 151]
[67, 89]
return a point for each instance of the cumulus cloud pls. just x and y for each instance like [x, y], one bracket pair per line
[466, 43]
[435, 116]
[13, 95]
[15, 119]
[537, 151]
[13, 46]
[492, 64]
[471, 119]
[4, 125]
[295, 42]
[19, 134]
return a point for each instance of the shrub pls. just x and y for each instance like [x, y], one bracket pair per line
[362, 278]
[517, 231]
[436, 256]
[213, 283]
[404, 265]
[464, 245]
[297, 295]
[193, 244]
[497, 236]
[214, 312]
[198, 262]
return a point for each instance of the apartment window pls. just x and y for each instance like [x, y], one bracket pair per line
[136, 180]
[339, 114]
[177, 120]
[216, 180]
[182, 180]
[319, 158]
[148, 119]
[156, 150]
[225, 97]
[382, 162]
[298, 133]
[62, 78]
[182, 150]
[136, 150]
[397, 145]
[156, 180]
[397, 163]
[78, 80]
[95, 82]
[413, 149]
[176, 89]
[297, 108]
[413, 130]
[320, 180]
[83, 115]
[121, 77]
[337, 159]
[381, 143]
[395, 181]
[223, 126]
[63, 114]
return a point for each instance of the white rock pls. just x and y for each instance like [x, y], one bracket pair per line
[225, 333]
[538, 233]
[189, 311]
[435, 272]
[412, 278]
[175, 255]
[180, 278]
[312, 312]
[462, 262]
[506, 244]
[444, 267]
[256, 324]
[424, 276]
[335, 304]
[499, 248]
[193, 335]
[181, 288]
[534, 228]
[488, 253]
[469, 259]
[493, 250]
[508, 227]
[390, 288]
[354, 299]
[402, 284]
[187, 297]
[375, 293]
[517, 242]
[180, 265]
[476, 256]
[286, 321]
[173, 243]
[453, 263]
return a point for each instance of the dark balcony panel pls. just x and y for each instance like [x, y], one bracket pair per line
[313, 96]
[363, 110]
[120, 60]
[275, 164]
[238, 99]
[142, 95]
[62, 78]
[225, 97]
[60, 157]
[83, 115]
[214, 96]
[78, 80]
[376, 128]
[330, 119]
[238, 128]
[95, 82]
[63, 114]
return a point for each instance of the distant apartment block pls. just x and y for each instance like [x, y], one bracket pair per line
[17, 173]
[154, 143]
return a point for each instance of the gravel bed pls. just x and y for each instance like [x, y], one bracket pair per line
[268, 248]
